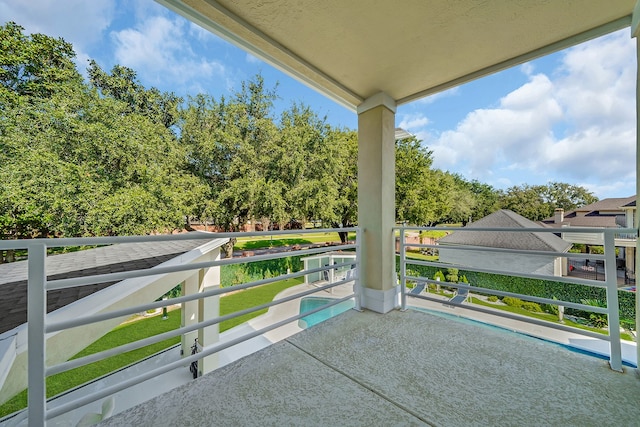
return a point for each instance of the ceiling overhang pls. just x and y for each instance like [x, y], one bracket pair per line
[353, 50]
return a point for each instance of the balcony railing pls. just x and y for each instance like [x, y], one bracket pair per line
[608, 259]
[40, 325]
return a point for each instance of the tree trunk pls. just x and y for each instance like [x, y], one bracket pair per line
[227, 248]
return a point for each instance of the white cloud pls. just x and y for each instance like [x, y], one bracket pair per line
[575, 123]
[157, 48]
[79, 22]
[413, 122]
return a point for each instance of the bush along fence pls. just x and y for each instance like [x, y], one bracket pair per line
[539, 288]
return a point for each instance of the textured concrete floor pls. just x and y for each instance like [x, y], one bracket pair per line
[402, 368]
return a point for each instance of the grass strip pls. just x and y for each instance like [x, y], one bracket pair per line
[261, 242]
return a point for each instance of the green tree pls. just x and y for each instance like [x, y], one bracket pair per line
[537, 202]
[527, 201]
[123, 85]
[420, 191]
[75, 163]
[34, 66]
[346, 178]
[567, 196]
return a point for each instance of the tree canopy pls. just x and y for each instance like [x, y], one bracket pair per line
[108, 156]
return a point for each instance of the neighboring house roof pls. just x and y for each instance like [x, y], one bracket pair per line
[107, 259]
[606, 213]
[504, 218]
[611, 204]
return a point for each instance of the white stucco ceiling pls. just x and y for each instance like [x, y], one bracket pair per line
[352, 49]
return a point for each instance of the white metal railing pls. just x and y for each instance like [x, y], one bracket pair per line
[610, 276]
[39, 326]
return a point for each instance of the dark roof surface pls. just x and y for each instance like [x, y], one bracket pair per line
[598, 214]
[107, 259]
[611, 204]
[504, 218]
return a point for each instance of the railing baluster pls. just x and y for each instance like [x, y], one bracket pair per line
[613, 315]
[403, 271]
[36, 342]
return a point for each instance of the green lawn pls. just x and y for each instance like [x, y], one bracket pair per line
[147, 327]
[259, 242]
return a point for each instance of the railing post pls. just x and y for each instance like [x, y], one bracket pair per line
[613, 309]
[403, 272]
[36, 343]
[357, 287]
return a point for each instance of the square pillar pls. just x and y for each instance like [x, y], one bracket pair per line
[189, 312]
[376, 202]
[209, 308]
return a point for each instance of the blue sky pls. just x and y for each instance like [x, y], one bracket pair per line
[568, 117]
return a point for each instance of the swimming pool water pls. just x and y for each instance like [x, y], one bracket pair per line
[310, 303]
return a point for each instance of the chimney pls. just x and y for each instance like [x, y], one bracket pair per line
[559, 216]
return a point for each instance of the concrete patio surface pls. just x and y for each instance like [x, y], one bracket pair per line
[402, 368]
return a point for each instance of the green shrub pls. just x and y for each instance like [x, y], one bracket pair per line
[540, 288]
[492, 298]
[438, 275]
[531, 306]
[628, 324]
[513, 302]
[578, 248]
[452, 275]
[550, 308]
[599, 320]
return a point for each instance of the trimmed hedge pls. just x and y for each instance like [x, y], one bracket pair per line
[539, 288]
[235, 274]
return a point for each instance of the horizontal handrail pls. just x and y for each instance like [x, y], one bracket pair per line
[194, 235]
[75, 363]
[207, 351]
[588, 230]
[512, 316]
[114, 314]
[588, 282]
[111, 277]
[539, 300]
[609, 265]
[40, 326]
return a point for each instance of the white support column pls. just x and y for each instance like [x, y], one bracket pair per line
[209, 308]
[635, 32]
[376, 202]
[37, 344]
[190, 311]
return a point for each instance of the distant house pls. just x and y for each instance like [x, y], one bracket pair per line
[520, 263]
[606, 213]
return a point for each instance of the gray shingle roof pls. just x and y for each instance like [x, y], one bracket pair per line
[611, 204]
[106, 259]
[504, 218]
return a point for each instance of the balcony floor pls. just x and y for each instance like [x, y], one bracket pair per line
[402, 368]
